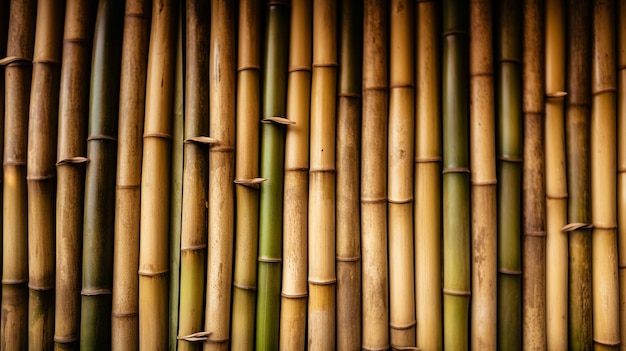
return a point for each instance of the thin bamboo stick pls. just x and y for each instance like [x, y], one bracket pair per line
[124, 311]
[621, 167]
[603, 180]
[533, 177]
[578, 174]
[428, 180]
[41, 174]
[294, 293]
[375, 279]
[18, 69]
[483, 156]
[348, 219]
[155, 179]
[222, 77]
[193, 243]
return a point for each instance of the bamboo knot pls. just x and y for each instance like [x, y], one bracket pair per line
[101, 137]
[139, 15]
[128, 186]
[72, 160]
[65, 340]
[557, 196]
[428, 159]
[278, 120]
[621, 170]
[299, 69]
[456, 292]
[350, 95]
[384, 348]
[80, 41]
[481, 74]
[402, 85]
[455, 32]
[602, 91]
[14, 281]
[348, 258]
[248, 68]
[607, 343]
[47, 62]
[201, 140]
[14, 163]
[194, 337]
[220, 148]
[244, 287]
[373, 200]
[15, 59]
[456, 170]
[509, 60]
[510, 159]
[143, 273]
[35, 178]
[575, 226]
[400, 201]
[322, 282]
[507, 271]
[604, 226]
[402, 348]
[325, 65]
[556, 95]
[375, 88]
[489, 182]
[95, 292]
[294, 296]
[252, 183]
[538, 233]
[403, 326]
[269, 259]
[157, 135]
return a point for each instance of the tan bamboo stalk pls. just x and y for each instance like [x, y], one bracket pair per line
[222, 77]
[193, 242]
[533, 187]
[4, 29]
[606, 334]
[621, 167]
[294, 293]
[375, 299]
[348, 216]
[427, 180]
[41, 174]
[18, 69]
[483, 178]
[155, 179]
[400, 146]
[578, 173]
[124, 316]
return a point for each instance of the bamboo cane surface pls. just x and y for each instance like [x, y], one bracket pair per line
[621, 167]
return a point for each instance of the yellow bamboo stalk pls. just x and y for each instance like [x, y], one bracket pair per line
[483, 156]
[621, 168]
[606, 333]
[155, 180]
[427, 181]
[222, 75]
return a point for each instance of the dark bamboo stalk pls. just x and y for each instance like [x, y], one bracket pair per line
[621, 166]
[4, 29]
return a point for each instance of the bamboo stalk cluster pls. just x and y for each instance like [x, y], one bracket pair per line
[359, 174]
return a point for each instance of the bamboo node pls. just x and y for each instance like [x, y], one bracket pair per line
[14, 59]
[299, 69]
[139, 15]
[244, 287]
[294, 296]
[401, 85]
[269, 259]
[313, 281]
[385, 348]
[199, 336]
[322, 170]
[427, 159]
[14, 163]
[220, 148]
[127, 315]
[455, 32]
[72, 160]
[621, 170]
[249, 68]
[607, 343]
[538, 233]
[556, 196]
[101, 137]
[509, 60]
[157, 135]
[373, 200]
[128, 186]
[481, 74]
[192, 248]
[348, 258]
[375, 88]
[455, 170]
[14, 281]
[277, 2]
[400, 201]
[489, 182]
[253, 183]
[401, 348]
[556, 94]
[47, 62]
[456, 292]
[40, 177]
[325, 64]
[152, 274]
[65, 340]
[350, 95]
[95, 292]
[575, 226]
[602, 91]
[296, 169]
[403, 326]
[278, 120]
[605, 226]
[201, 139]
[510, 159]
[80, 41]
[507, 271]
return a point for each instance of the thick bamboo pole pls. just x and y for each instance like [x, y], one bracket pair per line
[456, 187]
[348, 216]
[41, 173]
[272, 161]
[428, 180]
[556, 179]
[606, 333]
[483, 161]
[293, 311]
[124, 310]
[222, 77]
[375, 294]
[578, 173]
[533, 177]
[193, 241]
[155, 179]
[621, 168]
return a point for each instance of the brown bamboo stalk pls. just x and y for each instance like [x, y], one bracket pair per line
[296, 183]
[374, 178]
[222, 74]
[483, 156]
[603, 180]
[155, 180]
[18, 69]
[621, 167]
[534, 191]
[4, 29]
[124, 313]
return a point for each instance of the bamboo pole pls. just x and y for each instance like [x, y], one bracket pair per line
[621, 168]
[4, 29]
[71, 152]
[348, 219]
[578, 174]
[18, 69]
[293, 312]
[41, 173]
[155, 179]
[428, 180]
[124, 317]
[603, 180]
[272, 162]
[193, 242]
[456, 187]
[533, 177]
[375, 327]
[483, 191]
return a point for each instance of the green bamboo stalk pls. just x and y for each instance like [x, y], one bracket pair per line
[193, 236]
[509, 171]
[348, 217]
[41, 173]
[456, 187]
[428, 180]
[603, 180]
[154, 264]
[18, 69]
[483, 179]
[222, 79]
[124, 318]
[533, 177]
[294, 292]
[621, 167]
[272, 163]
[98, 224]
[578, 174]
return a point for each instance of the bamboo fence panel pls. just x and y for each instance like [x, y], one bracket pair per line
[483, 166]
[621, 168]
[294, 292]
[18, 70]
[125, 304]
[155, 179]
[375, 294]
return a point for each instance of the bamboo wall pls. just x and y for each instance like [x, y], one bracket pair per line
[319, 174]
